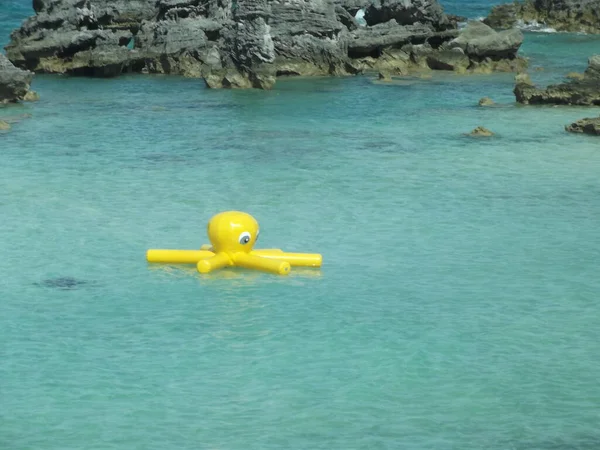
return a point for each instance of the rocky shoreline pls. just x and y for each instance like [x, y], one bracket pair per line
[583, 90]
[561, 15]
[249, 43]
[580, 90]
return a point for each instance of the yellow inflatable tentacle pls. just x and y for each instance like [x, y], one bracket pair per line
[250, 261]
[177, 256]
[295, 259]
[267, 251]
[217, 261]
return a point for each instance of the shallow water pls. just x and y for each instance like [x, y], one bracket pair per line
[455, 309]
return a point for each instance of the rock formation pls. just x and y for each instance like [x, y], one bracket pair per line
[248, 43]
[14, 82]
[384, 76]
[587, 126]
[562, 15]
[580, 91]
[480, 132]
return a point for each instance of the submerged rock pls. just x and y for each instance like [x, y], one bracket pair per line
[248, 43]
[481, 131]
[587, 126]
[575, 76]
[14, 82]
[62, 283]
[15, 119]
[4, 126]
[561, 15]
[31, 96]
[584, 91]
[485, 101]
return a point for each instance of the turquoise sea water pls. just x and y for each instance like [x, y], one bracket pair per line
[456, 307]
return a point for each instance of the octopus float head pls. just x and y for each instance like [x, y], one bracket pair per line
[233, 232]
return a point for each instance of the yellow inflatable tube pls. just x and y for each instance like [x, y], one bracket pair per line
[232, 235]
[177, 256]
[193, 256]
[295, 259]
[166, 256]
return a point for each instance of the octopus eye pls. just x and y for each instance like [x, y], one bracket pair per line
[244, 238]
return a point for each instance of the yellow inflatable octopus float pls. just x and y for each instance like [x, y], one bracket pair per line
[232, 235]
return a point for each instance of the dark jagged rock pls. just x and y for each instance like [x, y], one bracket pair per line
[481, 41]
[583, 91]
[407, 13]
[455, 20]
[352, 6]
[587, 126]
[476, 48]
[78, 36]
[14, 82]
[574, 93]
[249, 48]
[248, 43]
[370, 41]
[309, 39]
[186, 46]
[346, 18]
[504, 16]
[115, 13]
[562, 15]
